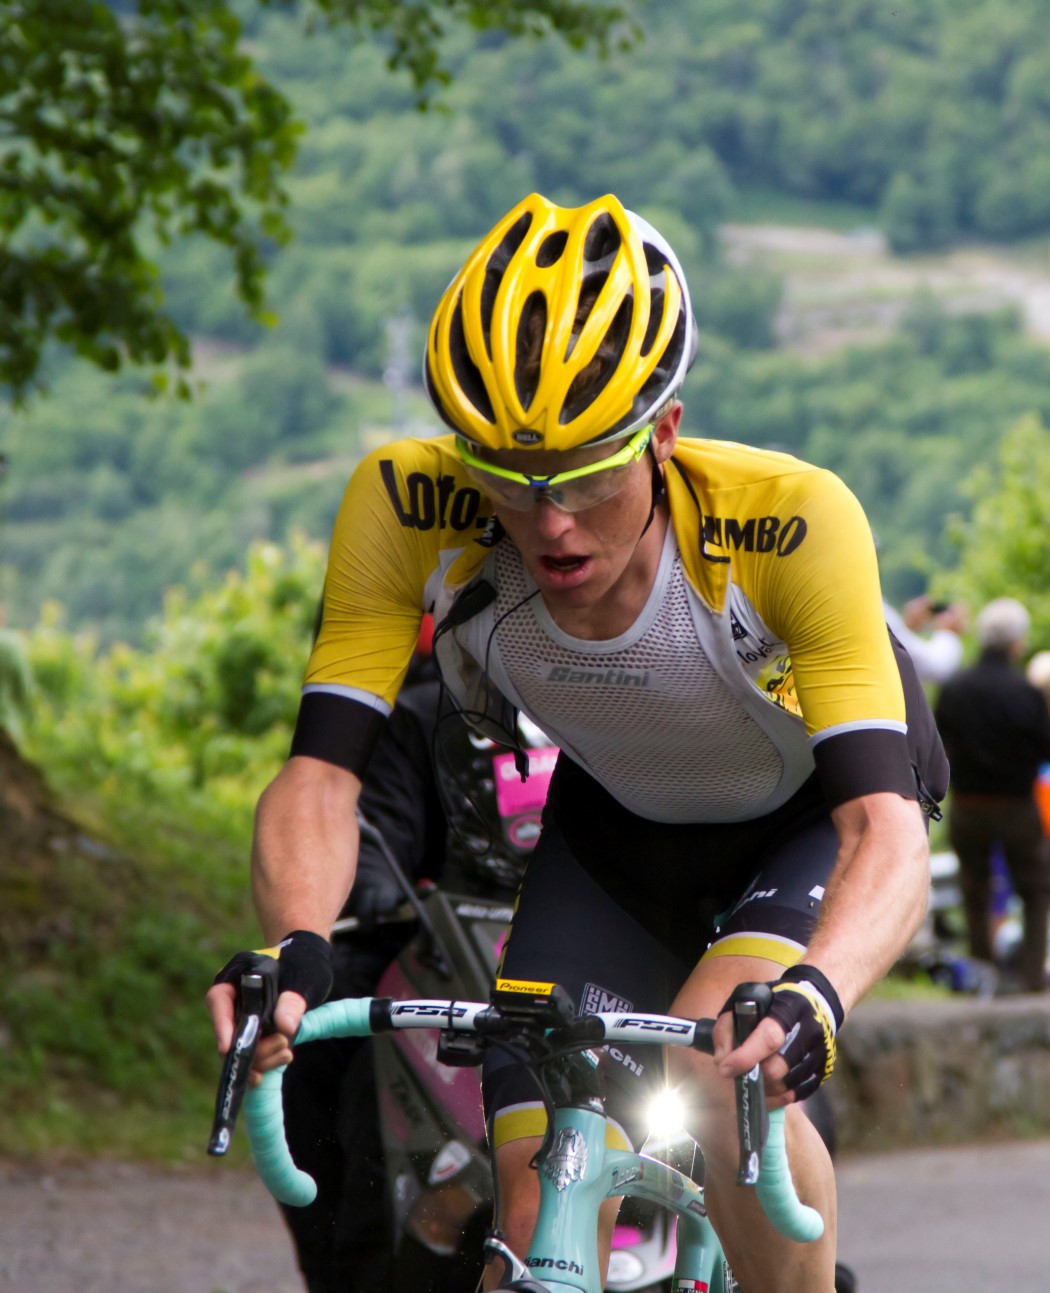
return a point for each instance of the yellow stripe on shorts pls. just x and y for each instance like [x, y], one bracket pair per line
[520, 1121]
[769, 947]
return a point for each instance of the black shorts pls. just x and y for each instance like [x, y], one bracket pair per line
[620, 916]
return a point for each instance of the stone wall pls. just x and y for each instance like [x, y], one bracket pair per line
[933, 1072]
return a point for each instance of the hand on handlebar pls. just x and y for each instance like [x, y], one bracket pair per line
[257, 1002]
[274, 1050]
[794, 1043]
[299, 974]
[763, 1048]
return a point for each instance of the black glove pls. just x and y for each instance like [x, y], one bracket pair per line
[372, 897]
[304, 962]
[808, 1009]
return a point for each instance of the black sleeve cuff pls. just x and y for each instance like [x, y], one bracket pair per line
[866, 762]
[337, 730]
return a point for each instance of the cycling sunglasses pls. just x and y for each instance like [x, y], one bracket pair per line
[572, 491]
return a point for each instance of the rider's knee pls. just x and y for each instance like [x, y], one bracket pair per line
[519, 1195]
[710, 1106]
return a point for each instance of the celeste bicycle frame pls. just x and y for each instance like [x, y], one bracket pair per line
[577, 1170]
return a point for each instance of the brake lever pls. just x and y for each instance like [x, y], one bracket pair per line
[750, 1004]
[256, 1001]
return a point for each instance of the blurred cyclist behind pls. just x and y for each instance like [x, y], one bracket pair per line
[432, 796]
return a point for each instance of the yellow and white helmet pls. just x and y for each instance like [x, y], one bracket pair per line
[567, 326]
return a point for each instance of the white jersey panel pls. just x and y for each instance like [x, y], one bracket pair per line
[648, 714]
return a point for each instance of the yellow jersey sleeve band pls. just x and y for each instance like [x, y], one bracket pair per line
[337, 729]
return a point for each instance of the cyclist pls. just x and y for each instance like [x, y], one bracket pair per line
[697, 625]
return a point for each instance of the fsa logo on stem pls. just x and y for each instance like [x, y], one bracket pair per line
[756, 534]
[431, 502]
[427, 1010]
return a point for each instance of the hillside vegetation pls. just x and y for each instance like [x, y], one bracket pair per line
[117, 909]
[112, 497]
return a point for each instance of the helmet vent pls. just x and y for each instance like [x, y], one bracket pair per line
[494, 271]
[590, 290]
[603, 240]
[467, 373]
[655, 259]
[493, 278]
[664, 370]
[589, 382]
[531, 329]
[551, 249]
[512, 240]
[656, 314]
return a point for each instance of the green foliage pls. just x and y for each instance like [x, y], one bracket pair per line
[15, 683]
[163, 753]
[112, 497]
[917, 214]
[1004, 541]
[904, 423]
[115, 496]
[115, 123]
[416, 29]
[150, 125]
[209, 701]
[129, 127]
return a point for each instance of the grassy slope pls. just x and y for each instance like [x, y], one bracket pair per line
[116, 913]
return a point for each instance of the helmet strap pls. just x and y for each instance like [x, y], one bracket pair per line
[659, 490]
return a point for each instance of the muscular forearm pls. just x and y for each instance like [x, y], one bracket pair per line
[304, 851]
[875, 897]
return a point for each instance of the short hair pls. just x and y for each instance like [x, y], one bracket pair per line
[1002, 623]
[1038, 672]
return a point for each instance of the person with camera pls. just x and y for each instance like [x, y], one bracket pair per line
[931, 633]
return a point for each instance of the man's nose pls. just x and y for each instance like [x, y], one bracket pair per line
[551, 521]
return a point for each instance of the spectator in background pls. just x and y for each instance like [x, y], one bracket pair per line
[930, 632]
[1038, 674]
[996, 731]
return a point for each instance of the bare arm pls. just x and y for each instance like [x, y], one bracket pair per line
[876, 895]
[304, 852]
[304, 856]
[874, 901]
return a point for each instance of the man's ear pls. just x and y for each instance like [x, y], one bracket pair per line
[665, 433]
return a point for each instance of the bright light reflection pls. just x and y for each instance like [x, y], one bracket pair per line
[666, 1117]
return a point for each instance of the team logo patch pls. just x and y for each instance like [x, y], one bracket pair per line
[568, 1160]
[598, 1000]
[755, 534]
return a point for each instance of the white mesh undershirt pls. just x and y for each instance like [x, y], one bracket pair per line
[645, 712]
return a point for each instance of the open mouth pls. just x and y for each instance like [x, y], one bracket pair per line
[563, 573]
[563, 565]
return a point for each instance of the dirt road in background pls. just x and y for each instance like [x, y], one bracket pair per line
[134, 1229]
[842, 288]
